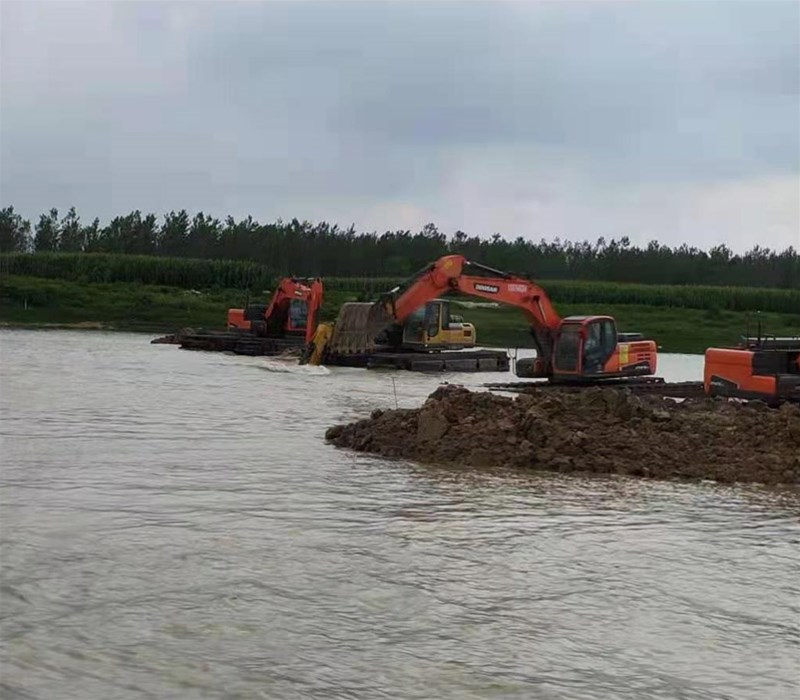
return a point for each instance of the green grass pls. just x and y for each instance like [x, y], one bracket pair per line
[675, 330]
[32, 301]
[187, 273]
[587, 292]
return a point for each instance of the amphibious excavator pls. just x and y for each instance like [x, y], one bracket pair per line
[572, 349]
[285, 325]
[292, 311]
[429, 328]
[764, 367]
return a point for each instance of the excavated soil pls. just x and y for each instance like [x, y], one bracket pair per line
[599, 430]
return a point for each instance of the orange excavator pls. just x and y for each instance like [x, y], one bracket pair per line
[572, 349]
[292, 311]
[764, 367]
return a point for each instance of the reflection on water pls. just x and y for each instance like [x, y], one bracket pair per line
[174, 526]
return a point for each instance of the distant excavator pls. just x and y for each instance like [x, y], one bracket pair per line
[766, 368]
[572, 349]
[292, 311]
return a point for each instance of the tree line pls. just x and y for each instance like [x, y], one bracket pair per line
[303, 248]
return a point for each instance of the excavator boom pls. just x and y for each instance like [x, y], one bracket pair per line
[454, 273]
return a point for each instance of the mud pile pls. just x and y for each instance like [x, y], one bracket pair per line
[599, 430]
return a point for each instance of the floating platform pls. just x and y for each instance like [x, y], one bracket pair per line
[454, 361]
[244, 343]
[238, 343]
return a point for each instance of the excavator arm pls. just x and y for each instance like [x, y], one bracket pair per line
[290, 289]
[454, 273]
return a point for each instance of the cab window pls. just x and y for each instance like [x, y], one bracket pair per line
[432, 316]
[601, 341]
[298, 313]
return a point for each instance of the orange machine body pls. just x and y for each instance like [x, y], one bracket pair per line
[576, 348]
[237, 319]
[292, 310]
[590, 347]
[760, 368]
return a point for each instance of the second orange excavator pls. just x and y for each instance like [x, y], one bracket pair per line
[285, 325]
[572, 349]
[292, 311]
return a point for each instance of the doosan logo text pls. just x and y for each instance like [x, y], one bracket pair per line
[486, 288]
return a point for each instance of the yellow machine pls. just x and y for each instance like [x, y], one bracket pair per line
[316, 349]
[430, 328]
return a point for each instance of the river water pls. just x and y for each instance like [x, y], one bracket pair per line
[174, 526]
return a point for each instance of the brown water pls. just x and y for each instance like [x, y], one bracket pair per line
[174, 526]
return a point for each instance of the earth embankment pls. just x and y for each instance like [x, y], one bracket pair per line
[599, 430]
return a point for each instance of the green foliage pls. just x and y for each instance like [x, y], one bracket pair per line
[130, 306]
[47, 236]
[674, 329]
[133, 234]
[205, 274]
[15, 232]
[72, 238]
[308, 249]
[674, 296]
[604, 293]
[124, 306]
[142, 269]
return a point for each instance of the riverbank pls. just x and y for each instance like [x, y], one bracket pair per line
[600, 431]
[31, 302]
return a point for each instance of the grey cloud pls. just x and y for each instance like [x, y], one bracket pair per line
[348, 109]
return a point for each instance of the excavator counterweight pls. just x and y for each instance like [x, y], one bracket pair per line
[764, 368]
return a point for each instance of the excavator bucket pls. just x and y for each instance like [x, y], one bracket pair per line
[378, 318]
[356, 327]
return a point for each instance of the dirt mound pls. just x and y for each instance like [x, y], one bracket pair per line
[600, 430]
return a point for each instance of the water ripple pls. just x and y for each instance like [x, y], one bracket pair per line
[174, 526]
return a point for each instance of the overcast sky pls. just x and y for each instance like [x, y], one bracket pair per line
[671, 120]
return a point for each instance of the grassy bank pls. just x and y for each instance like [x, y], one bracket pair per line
[675, 330]
[33, 301]
[187, 273]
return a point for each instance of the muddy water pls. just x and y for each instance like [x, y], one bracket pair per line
[173, 526]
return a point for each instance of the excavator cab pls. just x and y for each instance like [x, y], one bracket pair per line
[298, 316]
[432, 327]
[288, 319]
[589, 347]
